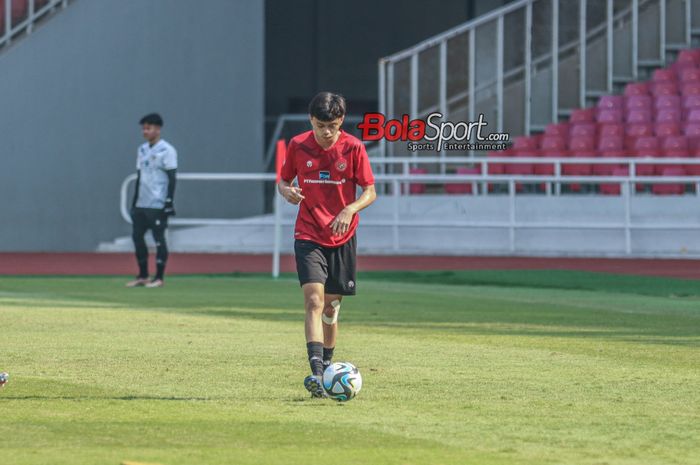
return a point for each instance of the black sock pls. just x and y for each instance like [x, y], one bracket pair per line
[160, 270]
[315, 352]
[327, 355]
[143, 268]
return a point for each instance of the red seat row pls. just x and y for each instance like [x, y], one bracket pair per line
[19, 11]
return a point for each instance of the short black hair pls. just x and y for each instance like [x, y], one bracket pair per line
[152, 118]
[327, 106]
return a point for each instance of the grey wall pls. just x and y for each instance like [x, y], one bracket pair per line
[71, 95]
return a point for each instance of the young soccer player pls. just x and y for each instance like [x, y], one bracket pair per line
[156, 167]
[328, 164]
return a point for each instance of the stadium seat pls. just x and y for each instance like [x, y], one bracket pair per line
[466, 188]
[636, 88]
[663, 102]
[417, 188]
[664, 88]
[609, 116]
[614, 129]
[667, 129]
[693, 115]
[584, 129]
[20, 10]
[525, 143]
[690, 75]
[663, 75]
[611, 102]
[582, 144]
[646, 144]
[606, 169]
[690, 101]
[638, 102]
[557, 129]
[521, 168]
[670, 189]
[553, 143]
[614, 189]
[634, 131]
[582, 115]
[693, 170]
[608, 143]
[689, 55]
[692, 132]
[2, 18]
[668, 115]
[691, 88]
[638, 116]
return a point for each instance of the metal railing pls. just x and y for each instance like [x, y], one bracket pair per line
[469, 66]
[26, 24]
[512, 224]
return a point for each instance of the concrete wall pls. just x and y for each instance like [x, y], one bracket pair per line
[72, 94]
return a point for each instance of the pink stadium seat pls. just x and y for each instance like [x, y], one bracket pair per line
[521, 168]
[607, 169]
[690, 75]
[609, 116]
[638, 102]
[693, 170]
[614, 189]
[639, 116]
[679, 66]
[692, 132]
[498, 168]
[693, 115]
[548, 170]
[634, 131]
[667, 129]
[636, 88]
[663, 102]
[584, 129]
[417, 188]
[608, 143]
[582, 144]
[525, 143]
[675, 143]
[643, 144]
[690, 101]
[553, 143]
[669, 115]
[557, 129]
[689, 55]
[663, 75]
[664, 88]
[582, 115]
[691, 88]
[670, 189]
[611, 102]
[453, 188]
[611, 129]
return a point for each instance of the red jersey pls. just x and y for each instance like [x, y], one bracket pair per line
[328, 180]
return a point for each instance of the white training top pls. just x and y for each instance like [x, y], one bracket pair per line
[153, 162]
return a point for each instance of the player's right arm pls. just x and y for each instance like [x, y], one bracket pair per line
[287, 174]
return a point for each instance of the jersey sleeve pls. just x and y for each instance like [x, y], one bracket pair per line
[289, 168]
[363, 171]
[170, 159]
[138, 158]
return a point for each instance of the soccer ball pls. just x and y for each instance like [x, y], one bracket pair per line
[4, 377]
[342, 381]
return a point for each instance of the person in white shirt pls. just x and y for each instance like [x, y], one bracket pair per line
[156, 168]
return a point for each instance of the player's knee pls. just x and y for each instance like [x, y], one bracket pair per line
[314, 303]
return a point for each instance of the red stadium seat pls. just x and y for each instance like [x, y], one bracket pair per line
[607, 168]
[611, 102]
[638, 116]
[693, 115]
[646, 144]
[584, 129]
[693, 170]
[454, 188]
[691, 88]
[609, 116]
[692, 132]
[663, 75]
[672, 102]
[582, 115]
[636, 88]
[638, 102]
[521, 168]
[670, 189]
[669, 115]
[690, 75]
[664, 88]
[667, 129]
[2, 17]
[634, 131]
[690, 101]
[614, 189]
[614, 129]
[608, 143]
[557, 129]
[417, 188]
[689, 56]
[525, 143]
[20, 10]
[582, 144]
[553, 143]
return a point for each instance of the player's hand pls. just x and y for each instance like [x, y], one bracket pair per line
[169, 208]
[292, 194]
[341, 224]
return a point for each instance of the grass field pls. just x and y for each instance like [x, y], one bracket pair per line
[460, 368]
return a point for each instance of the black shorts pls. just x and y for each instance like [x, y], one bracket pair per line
[144, 219]
[334, 267]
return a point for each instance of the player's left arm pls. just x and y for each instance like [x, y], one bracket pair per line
[170, 168]
[341, 223]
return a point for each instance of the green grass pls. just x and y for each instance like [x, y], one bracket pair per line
[526, 367]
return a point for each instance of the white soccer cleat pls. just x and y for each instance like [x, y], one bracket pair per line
[138, 282]
[156, 283]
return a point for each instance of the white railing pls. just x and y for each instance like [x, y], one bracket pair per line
[26, 24]
[531, 52]
[396, 181]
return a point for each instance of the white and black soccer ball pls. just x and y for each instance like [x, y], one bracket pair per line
[342, 381]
